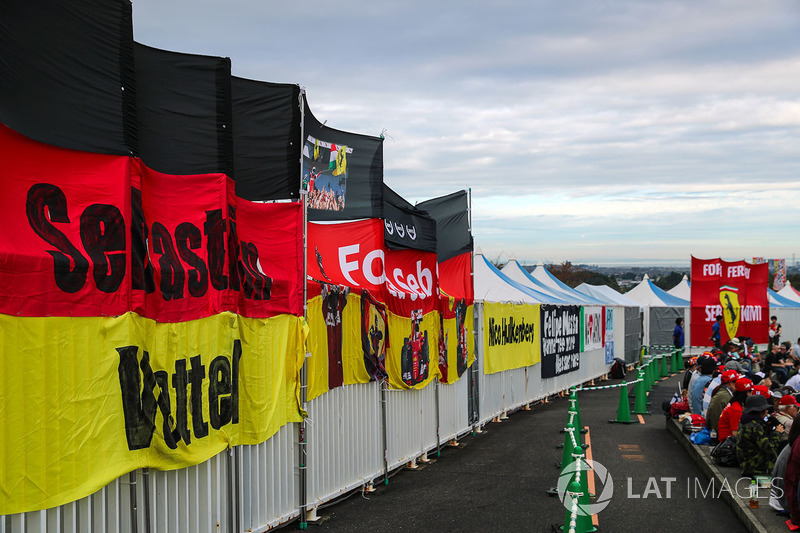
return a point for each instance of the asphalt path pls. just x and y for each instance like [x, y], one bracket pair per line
[498, 480]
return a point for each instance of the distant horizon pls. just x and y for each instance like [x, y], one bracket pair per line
[627, 262]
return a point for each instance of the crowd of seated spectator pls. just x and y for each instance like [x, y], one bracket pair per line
[753, 400]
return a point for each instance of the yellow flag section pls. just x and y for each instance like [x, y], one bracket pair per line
[85, 400]
[511, 336]
[458, 339]
[334, 341]
[412, 361]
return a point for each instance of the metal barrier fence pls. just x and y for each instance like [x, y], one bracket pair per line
[356, 435]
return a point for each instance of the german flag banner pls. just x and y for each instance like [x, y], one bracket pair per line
[148, 320]
[735, 290]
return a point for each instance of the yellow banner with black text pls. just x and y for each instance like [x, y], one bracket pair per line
[511, 336]
[86, 400]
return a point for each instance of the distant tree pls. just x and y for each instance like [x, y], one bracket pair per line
[573, 275]
[669, 281]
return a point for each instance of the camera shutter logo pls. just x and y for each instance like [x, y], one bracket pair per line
[603, 477]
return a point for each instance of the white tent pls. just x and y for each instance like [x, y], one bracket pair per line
[491, 285]
[606, 294]
[515, 271]
[660, 312]
[682, 289]
[543, 276]
[777, 300]
[790, 292]
[647, 294]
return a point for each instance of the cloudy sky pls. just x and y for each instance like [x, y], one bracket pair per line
[591, 131]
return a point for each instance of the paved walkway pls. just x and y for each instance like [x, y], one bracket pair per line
[498, 480]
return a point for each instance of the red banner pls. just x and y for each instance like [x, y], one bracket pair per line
[455, 276]
[353, 254]
[95, 235]
[735, 290]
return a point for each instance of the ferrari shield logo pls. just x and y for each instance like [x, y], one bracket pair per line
[731, 310]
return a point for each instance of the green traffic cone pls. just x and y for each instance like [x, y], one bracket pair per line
[584, 522]
[664, 367]
[624, 409]
[570, 519]
[640, 401]
[673, 362]
[648, 374]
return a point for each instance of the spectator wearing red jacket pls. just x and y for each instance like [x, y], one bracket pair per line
[729, 419]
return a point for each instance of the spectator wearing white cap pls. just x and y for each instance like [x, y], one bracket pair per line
[787, 410]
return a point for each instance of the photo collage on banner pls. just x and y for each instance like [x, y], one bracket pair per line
[561, 338]
[342, 172]
[735, 290]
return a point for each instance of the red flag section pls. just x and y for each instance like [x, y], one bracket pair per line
[353, 254]
[736, 290]
[98, 235]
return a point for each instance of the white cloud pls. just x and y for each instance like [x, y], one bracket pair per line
[622, 125]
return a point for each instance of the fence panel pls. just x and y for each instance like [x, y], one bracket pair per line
[268, 481]
[344, 441]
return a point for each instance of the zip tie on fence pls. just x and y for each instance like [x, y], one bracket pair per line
[579, 389]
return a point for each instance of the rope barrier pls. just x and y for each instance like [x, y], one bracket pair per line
[600, 387]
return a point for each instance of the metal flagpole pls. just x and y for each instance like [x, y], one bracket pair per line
[474, 407]
[301, 440]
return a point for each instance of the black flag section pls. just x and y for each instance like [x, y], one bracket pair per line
[451, 213]
[184, 111]
[342, 171]
[405, 226]
[266, 139]
[66, 73]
